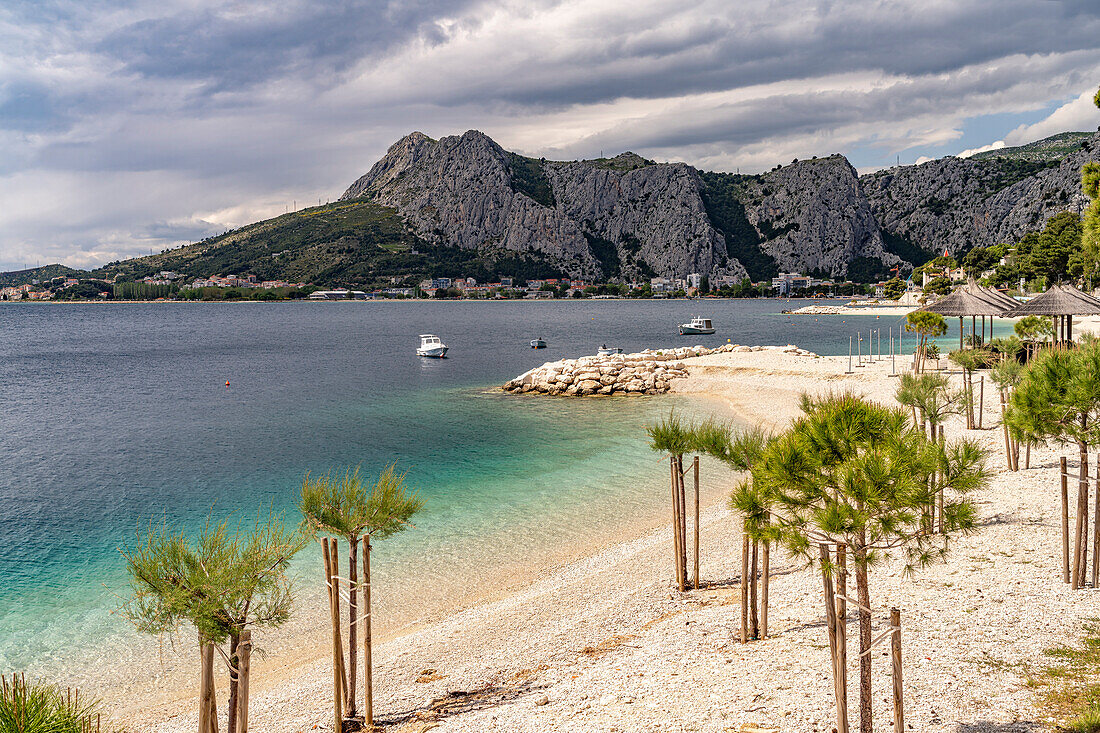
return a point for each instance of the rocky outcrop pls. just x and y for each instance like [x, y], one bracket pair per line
[812, 216]
[623, 218]
[647, 372]
[959, 203]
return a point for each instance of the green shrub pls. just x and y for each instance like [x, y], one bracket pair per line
[39, 708]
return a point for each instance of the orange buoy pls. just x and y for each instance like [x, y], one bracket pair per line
[227, 383]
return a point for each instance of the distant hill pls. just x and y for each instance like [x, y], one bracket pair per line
[1050, 149]
[41, 274]
[347, 242]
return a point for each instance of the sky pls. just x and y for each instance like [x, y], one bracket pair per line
[136, 125]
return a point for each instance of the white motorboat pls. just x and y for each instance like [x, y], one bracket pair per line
[538, 343]
[606, 350]
[696, 326]
[430, 345]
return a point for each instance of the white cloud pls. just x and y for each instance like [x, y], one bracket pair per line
[983, 149]
[1080, 114]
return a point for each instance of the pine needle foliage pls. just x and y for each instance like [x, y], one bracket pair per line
[345, 506]
[39, 708]
[222, 581]
[853, 472]
[930, 395]
[671, 435]
[1058, 398]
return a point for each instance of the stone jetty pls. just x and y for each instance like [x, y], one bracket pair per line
[648, 372]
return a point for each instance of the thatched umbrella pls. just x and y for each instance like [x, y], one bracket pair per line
[1062, 303]
[967, 301]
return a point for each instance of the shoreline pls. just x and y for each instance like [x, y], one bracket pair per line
[601, 641]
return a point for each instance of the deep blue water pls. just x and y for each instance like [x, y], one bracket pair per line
[114, 415]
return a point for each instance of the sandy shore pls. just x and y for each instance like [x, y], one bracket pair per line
[605, 644]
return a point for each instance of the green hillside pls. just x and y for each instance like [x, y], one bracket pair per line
[41, 274]
[1048, 150]
[343, 243]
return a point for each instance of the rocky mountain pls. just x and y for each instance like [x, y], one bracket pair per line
[464, 206]
[955, 204]
[623, 217]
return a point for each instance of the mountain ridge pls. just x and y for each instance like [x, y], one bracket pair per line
[463, 205]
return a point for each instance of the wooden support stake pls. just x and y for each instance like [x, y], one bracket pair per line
[244, 667]
[696, 468]
[1079, 518]
[337, 654]
[1008, 440]
[1065, 521]
[766, 569]
[895, 654]
[939, 491]
[754, 617]
[683, 520]
[675, 524]
[842, 626]
[1096, 526]
[368, 662]
[744, 587]
[206, 687]
[981, 400]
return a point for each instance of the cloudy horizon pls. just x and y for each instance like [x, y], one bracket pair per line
[132, 126]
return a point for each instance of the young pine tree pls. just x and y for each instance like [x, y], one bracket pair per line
[222, 582]
[854, 473]
[345, 507]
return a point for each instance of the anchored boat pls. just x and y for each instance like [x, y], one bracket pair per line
[696, 326]
[606, 350]
[538, 344]
[430, 345]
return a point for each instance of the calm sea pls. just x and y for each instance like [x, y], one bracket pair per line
[113, 415]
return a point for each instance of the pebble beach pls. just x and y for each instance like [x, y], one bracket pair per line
[605, 643]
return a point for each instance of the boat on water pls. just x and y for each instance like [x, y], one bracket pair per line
[696, 326]
[431, 346]
[538, 344]
[606, 350]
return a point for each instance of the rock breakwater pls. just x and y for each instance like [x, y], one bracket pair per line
[647, 372]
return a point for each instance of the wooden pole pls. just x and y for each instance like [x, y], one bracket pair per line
[1027, 454]
[981, 400]
[244, 666]
[830, 624]
[1065, 520]
[1083, 507]
[337, 654]
[1096, 526]
[754, 616]
[695, 465]
[766, 571]
[368, 662]
[939, 488]
[895, 654]
[842, 627]
[1075, 576]
[744, 587]
[683, 521]
[206, 687]
[675, 524]
[1008, 439]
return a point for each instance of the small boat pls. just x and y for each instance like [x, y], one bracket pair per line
[538, 344]
[430, 345]
[696, 326]
[605, 350]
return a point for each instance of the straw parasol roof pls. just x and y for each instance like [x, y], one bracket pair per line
[1059, 300]
[997, 295]
[966, 302]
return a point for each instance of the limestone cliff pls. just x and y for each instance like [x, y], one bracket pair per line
[957, 203]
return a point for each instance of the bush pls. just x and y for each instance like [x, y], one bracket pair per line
[31, 708]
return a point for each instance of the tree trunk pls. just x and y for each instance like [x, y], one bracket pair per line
[234, 680]
[244, 654]
[864, 597]
[353, 622]
[208, 706]
[368, 667]
[696, 524]
[1082, 512]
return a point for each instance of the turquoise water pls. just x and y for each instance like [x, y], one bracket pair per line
[115, 415]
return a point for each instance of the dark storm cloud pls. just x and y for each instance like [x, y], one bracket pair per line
[237, 45]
